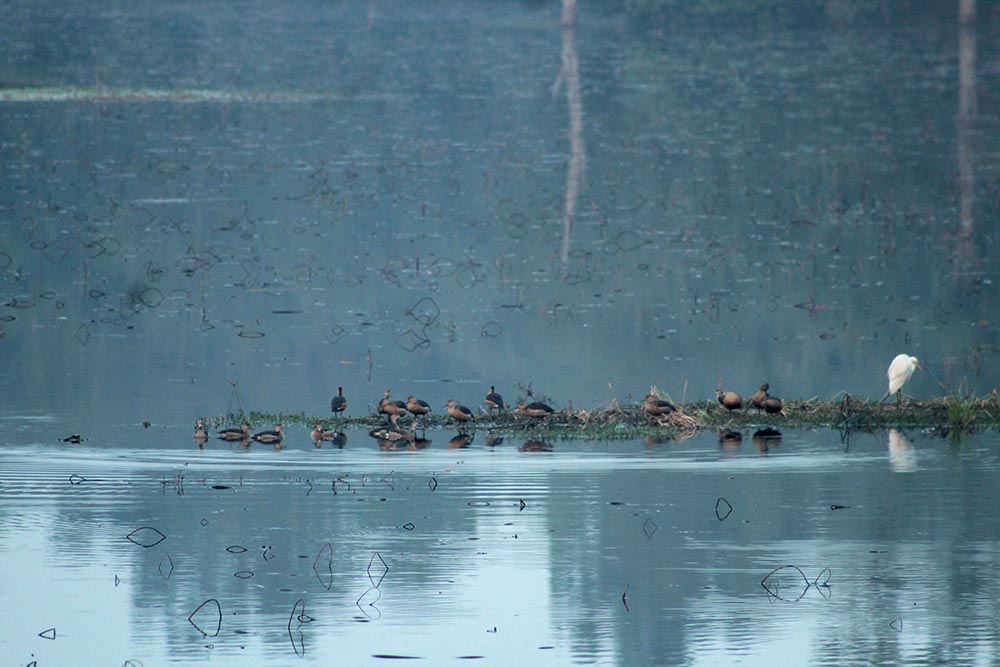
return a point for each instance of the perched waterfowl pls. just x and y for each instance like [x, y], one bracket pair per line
[657, 406]
[536, 409]
[729, 399]
[773, 406]
[393, 410]
[235, 434]
[274, 436]
[758, 398]
[338, 403]
[900, 370]
[459, 413]
[382, 402]
[416, 406]
[494, 401]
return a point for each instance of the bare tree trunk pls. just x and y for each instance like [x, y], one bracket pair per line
[570, 75]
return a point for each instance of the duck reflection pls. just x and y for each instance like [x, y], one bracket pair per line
[902, 456]
[535, 446]
[730, 440]
[200, 432]
[766, 438]
[275, 436]
[320, 434]
[653, 441]
[390, 438]
[460, 441]
[236, 434]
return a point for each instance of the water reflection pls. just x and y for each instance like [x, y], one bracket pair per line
[374, 558]
[766, 438]
[902, 455]
[535, 446]
[967, 111]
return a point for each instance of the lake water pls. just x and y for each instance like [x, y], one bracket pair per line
[430, 554]
[206, 208]
[322, 196]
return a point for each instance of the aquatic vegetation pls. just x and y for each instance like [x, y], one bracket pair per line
[613, 421]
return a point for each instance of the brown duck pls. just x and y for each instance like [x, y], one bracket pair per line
[536, 409]
[729, 399]
[393, 410]
[657, 406]
[758, 398]
[459, 413]
[773, 406]
[416, 406]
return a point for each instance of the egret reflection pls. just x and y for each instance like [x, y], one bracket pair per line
[902, 456]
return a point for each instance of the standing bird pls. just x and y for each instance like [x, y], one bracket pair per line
[729, 399]
[393, 410]
[758, 398]
[338, 404]
[459, 413]
[416, 406]
[494, 401]
[536, 409]
[657, 406]
[235, 434]
[900, 370]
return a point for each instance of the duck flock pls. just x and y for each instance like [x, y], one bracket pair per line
[900, 370]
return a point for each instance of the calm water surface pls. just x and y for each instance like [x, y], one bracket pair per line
[437, 197]
[900, 573]
[320, 195]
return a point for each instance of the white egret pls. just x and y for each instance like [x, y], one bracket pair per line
[900, 370]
